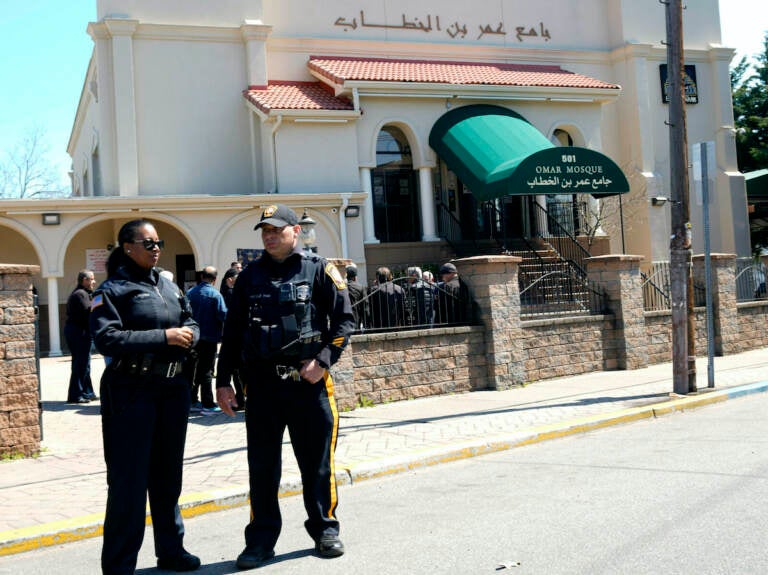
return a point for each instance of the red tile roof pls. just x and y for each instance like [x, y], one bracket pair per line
[295, 96]
[340, 70]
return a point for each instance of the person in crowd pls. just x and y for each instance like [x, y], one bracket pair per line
[228, 284]
[144, 323]
[453, 296]
[387, 301]
[209, 311]
[78, 336]
[420, 301]
[357, 296]
[289, 322]
[237, 266]
[227, 288]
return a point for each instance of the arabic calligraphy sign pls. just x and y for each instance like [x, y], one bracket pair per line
[568, 170]
[453, 29]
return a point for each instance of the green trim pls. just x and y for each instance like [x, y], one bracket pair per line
[488, 146]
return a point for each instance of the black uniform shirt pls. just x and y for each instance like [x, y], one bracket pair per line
[131, 311]
[333, 318]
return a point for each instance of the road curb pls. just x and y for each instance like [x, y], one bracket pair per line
[56, 533]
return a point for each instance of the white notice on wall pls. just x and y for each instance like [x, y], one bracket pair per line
[96, 260]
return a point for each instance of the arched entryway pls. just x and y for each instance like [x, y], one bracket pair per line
[394, 186]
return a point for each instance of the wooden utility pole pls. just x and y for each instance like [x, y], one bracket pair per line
[683, 326]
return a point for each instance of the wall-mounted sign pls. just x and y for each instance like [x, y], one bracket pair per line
[690, 86]
[96, 260]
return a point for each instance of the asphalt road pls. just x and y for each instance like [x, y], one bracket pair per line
[683, 494]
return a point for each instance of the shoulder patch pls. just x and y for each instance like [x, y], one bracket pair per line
[97, 301]
[333, 272]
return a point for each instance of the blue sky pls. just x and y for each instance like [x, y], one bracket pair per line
[46, 50]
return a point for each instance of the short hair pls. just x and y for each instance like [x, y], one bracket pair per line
[209, 273]
[413, 272]
[351, 271]
[383, 274]
[82, 274]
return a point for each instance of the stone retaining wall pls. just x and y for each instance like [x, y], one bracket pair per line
[19, 395]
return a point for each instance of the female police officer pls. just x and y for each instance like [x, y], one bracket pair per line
[142, 322]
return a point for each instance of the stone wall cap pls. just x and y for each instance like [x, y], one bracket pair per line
[616, 258]
[715, 256]
[492, 259]
[18, 269]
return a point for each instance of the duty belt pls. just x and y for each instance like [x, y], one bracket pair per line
[147, 366]
[286, 372]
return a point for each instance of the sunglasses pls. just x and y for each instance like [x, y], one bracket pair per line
[150, 244]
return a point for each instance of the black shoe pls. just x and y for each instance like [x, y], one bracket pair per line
[329, 546]
[254, 557]
[91, 396]
[184, 562]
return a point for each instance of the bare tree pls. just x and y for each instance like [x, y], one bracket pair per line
[26, 170]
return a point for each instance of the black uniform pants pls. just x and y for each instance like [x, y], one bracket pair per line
[309, 412]
[206, 360]
[144, 426]
[79, 343]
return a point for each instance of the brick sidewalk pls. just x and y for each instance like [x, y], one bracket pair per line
[61, 495]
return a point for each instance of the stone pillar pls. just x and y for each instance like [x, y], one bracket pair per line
[620, 276]
[19, 390]
[724, 313]
[493, 285]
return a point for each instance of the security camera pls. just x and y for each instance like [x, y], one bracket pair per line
[659, 200]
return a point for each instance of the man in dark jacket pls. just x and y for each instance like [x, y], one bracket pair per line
[387, 301]
[357, 297]
[209, 311]
[78, 336]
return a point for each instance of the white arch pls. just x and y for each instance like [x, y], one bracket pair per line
[180, 226]
[319, 216]
[29, 234]
[418, 156]
[573, 129]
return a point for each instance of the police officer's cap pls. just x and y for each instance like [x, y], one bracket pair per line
[278, 215]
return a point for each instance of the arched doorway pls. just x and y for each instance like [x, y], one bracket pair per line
[395, 189]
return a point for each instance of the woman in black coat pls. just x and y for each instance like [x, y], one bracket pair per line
[143, 323]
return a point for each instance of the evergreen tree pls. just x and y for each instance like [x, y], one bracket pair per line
[750, 111]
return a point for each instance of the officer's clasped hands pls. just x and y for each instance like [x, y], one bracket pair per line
[180, 336]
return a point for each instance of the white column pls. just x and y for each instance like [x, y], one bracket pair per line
[426, 196]
[125, 105]
[53, 317]
[369, 227]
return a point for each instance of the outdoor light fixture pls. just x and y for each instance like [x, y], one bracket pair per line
[307, 234]
[352, 211]
[659, 200]
[51, 219]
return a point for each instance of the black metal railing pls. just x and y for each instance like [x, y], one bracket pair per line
[559, 239]
[400, 305]
[561, 292]
[657, 288]
[750, 280]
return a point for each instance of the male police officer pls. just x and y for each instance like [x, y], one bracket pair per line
[289, 321]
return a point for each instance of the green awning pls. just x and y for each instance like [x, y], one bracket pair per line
[497, 153]
[757, 184]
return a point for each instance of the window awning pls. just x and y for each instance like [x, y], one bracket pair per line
[497, 153]
[757, 185]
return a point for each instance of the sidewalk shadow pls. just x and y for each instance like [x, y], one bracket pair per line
[218, 419]
[93, 408]
[229, 567]
[506, 410]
